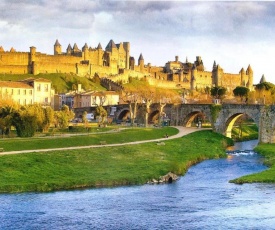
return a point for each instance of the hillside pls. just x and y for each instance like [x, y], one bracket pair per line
[61, 82]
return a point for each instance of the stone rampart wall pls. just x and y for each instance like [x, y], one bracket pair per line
[57, 59]
[14, 69]
[14, 58]
[203, 79]
[50, 67]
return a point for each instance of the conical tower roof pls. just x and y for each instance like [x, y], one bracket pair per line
[111, 45]
[57, 43]
[249, 69]
[99, 46]
[214, 65]
[140, 57]
[1, 49]
[69, 47]
[75, 47]
[85, 47]
[262, 79]
[242, 70]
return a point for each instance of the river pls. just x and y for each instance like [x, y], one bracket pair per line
[202, 199]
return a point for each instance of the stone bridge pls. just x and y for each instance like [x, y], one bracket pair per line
[221, 117]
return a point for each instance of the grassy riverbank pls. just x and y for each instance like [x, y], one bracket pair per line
[107, 166]
[267, 176]
[245, 132]
[61, 141]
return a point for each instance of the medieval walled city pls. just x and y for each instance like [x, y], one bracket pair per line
[116, 64]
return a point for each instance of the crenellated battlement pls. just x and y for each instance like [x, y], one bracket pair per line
[115, 60]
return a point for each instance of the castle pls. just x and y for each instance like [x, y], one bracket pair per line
[116, 64]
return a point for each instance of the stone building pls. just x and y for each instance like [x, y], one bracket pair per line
[93, 99]
[116, 64]
[85, 61]
[28, 91]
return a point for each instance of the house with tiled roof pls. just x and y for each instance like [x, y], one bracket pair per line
[95, 98]
[28, 91]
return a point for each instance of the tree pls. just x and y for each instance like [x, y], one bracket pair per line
[25, 122]
[84, 117]
[165, 96]
[132, 97]
[63, 116]
[266, 92]
[44, 116]
[6, 117]
[218, 92]
[101, 98]
[148, 97]
[101, 113]
[49, 118]
[241, 91]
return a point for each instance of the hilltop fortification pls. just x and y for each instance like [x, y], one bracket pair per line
[116, 64]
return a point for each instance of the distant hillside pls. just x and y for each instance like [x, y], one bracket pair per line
[62, 83]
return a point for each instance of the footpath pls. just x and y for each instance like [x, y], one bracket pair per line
[182, 132]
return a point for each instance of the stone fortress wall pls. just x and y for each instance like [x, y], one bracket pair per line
[116, 64]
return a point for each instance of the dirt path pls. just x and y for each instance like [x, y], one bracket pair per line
[182, 132]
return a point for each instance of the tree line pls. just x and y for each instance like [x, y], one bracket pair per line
[29, 119]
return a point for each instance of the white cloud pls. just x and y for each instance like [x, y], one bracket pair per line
[234, 34]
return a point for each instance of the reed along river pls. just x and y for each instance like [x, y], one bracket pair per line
[202, 199]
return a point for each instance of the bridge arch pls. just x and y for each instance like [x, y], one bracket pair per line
[230, 123]
[123, 114]
[193, 117]
[154, 117]
[231, 118]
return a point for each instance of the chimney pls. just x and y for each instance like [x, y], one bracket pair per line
[79, 88]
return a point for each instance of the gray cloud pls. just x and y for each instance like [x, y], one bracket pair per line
[159, 29]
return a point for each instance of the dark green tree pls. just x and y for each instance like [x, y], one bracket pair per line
[25, 122]
[265, 86]
[218, 92]
[241, 91]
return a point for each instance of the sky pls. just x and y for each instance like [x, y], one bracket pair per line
[234, 34]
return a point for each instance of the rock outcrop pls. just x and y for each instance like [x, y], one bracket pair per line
[168, 178]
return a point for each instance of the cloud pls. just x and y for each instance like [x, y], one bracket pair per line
[229, 32]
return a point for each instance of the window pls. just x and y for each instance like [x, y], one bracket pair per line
[46, 88]
[46, 99]
[30, 92]
[18, 92]
[11, 91]
[38, 87]
[24, 91]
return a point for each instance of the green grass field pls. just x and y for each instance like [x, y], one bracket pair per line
[60, 82]
[107, 166]
[245, 132]
[61, 141]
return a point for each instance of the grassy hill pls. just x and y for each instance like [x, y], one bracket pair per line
[61, 82]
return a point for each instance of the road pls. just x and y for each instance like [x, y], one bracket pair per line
[182, 132]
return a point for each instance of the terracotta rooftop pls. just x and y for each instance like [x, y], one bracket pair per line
[14, 84]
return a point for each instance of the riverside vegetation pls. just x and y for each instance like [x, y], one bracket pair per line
[267, 176]
[107, 166]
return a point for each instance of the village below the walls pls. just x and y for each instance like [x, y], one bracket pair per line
[113, 67]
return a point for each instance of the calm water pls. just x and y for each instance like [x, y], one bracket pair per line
[202, 199]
